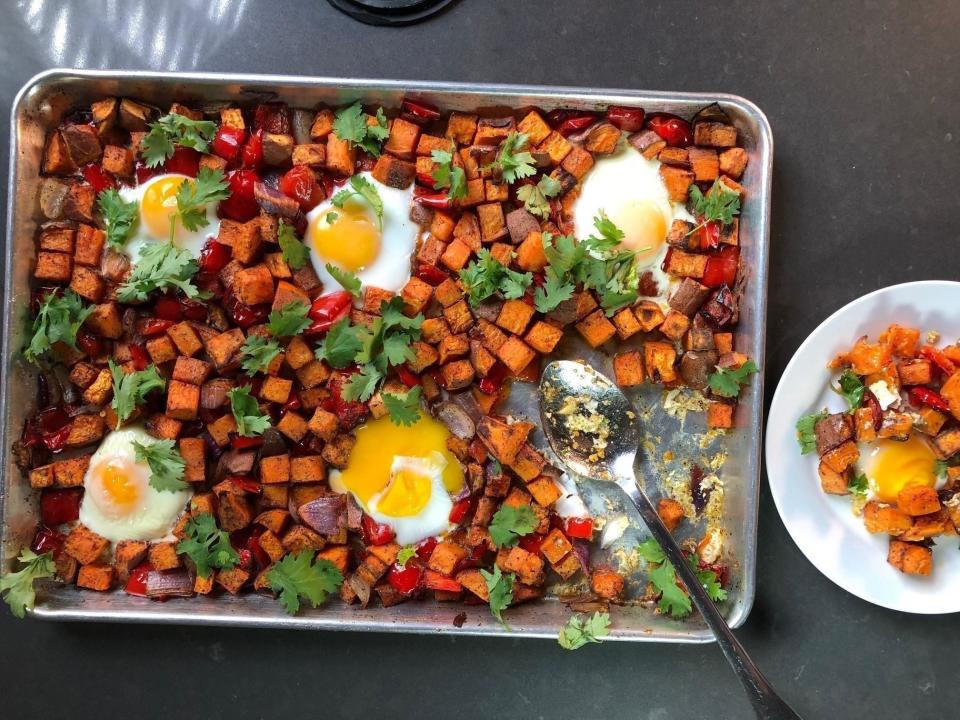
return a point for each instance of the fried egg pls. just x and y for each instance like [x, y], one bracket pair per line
[892, 465]
[403, 477]
[628, 188]
[157, 201]
[350, 238]
[118, 501]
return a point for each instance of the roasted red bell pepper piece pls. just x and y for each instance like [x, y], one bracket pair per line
[628, 119]
[407, 376]
[46, 540]
[228, 142]
[459, 510]
[137, 583]
[245, 483]
[418, 112]
[937, 357]
[151, 327]
[214, 257]
[194, 309]
[375, 533]
[721, 269]
[928, 397]
[169, 308]
[245, 315]
[293, 402]
[531, 543]
[674, 130]
[240, 442]
[433, 580]
[92, 345]
[431, 274]
[710, 234]
[426, 547]
[568, 122]
[252, 154]
[184, 161]
[60, 506]
[405, 579]
[493, 381]
[98, 178]
[301, 184]
[139, 356]
[242, 205]
[581, 528]
[256, 550]
[327, 309]
[438, 200]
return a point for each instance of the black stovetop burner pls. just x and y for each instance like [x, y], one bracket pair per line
[391, 12]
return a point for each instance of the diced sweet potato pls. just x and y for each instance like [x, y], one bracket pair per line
[596, 329]
[704, 163]
[671, 512]
[733, 161]
[307, 469]
[394, 172]
[556, 146]
[185, 339]
[527, 566]
[275, 469]
[649, 315]
[98, 576]
[918, 500]
[85, 546]
[515, 354]
[223, 348]
[445, 557]
[416, 294]
[628, 368]
[720, 415]
[675, 325]
[337, 451]
[493, 226]
[842, 457]
[293, 426]
[864, 431]
[833, 482]
[458, 317]
[607, 582]
[457, 374]
[254, 285]
[341, 156]
[543, 337]
[514, 316]
[89, 246]
[183, 400]
[602, 139]
[677, 181]
[910, 558]
[163, 556]
[878, 518]
[322, 125]
[931, 421]
[403, 139]
[659, 359]
[69, 473]
[84, 430]
[461, 127]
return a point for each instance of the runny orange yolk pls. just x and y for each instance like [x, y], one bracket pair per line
[118, 485]
[369, 467]
[346, 237]
[644, 227]
[893, 465]
[159, 204]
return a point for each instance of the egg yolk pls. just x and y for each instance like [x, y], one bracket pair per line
[346, 237]
[118, 487]
[368, 469]
[644, 227]
[893, 465]
[159, 204]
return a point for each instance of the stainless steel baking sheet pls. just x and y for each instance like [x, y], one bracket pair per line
[40, 105]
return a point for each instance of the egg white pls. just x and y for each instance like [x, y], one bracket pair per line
[189, 240]
[156, 514]
[390, 270]
[623, 177]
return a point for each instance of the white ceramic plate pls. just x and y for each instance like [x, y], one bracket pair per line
[822, 525]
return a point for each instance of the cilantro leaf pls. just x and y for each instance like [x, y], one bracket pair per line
[362, 385]
[119, 216]
[365, 190]
[351, 124]
[500, 588]
[405, 554]
[160, 266]
[404, 408]
[207, 545]
[193, 196]
[726, 382]
[719, 204]
[340, 345]
[175, 129]
[165, 462]
[295, 253]
[859, 485]
[448, 175]
[580, 631]
[348, 281]
[512, 161]
[486, 276]
[806, 435]
[850, 388]
[17, 587]
[709, 579]
[511, 523]
[534, 197]
[246, 411]
[131, 389]
[58, 320]
[940, 468]
[673, 599]
[258, 352]
[296, 575]
[395, 319]
[289, 320]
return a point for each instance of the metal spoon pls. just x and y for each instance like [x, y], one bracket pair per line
[569, 389]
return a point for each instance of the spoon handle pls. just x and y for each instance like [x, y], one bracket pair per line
[767, 704]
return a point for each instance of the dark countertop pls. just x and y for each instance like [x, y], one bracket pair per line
[867, 170]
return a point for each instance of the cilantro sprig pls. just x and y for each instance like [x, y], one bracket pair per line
[297, 576]
[165, 462]
[193, 196]
[295, 253]
[351, 124]
[131, 389]
[246, 411]
[365, 190]
[582, 630]
[58, 320]
[17, 587]
[448, 175]
[511, 523]
[859, 485]
[726, 382]
[512, 161]
[119, 216]
[348, 281]
[850, 388]
[207, 545]
[806, 435]
[486, 276]
[719, 204]
[534, 197]
[173, 129]
[673, 599]
[404, 408]
[340, 345]
[500, 589]
[289, 320]
[160, 266]
[258, 352]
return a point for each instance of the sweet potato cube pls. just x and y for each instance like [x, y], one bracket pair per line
[341, 156]
[704, 163]
[185, 339]
[626, 323]
[931, 421]
[84, 430]
[602, 139]
[322, 125]
[254, 285]
[461, 127]
[163, 556]
[683, 264]
[733, 161]
[403, 139]
[915, 372]
[445, 557]
[455, 256]
[556, 146]
[223, 348]
[293, 426]
[275, 389]
[878, 518]
[842, 456]
[98, 576]
[675, 325]
[863, 425]
[183, 400]
[298, 353]
[628, 368]
[191, 370]
[714, 134]
[596, 329]
[649, 315]
[677, 181]
[194, 452]
[833, 482]
[659, 359]
[577, 162]
[127, 555]
[89, 246]
[514, 316]
[918, 500]
[896, 425]
[70, 472]
[275, 469]
[544, 490]
[232, 580]
[910, 558]
[534, 127]
[313, 155]
[164, 427]
[530, 254]
[458, 317]
[720, 415]
[99, 391]
[161, 349]
[527, 566]
[543, 337]
[56, 158]
[85, 546]
[457, 374]
[87, 283]
[394, 172]
[555, 546]
[473, 581]
[493, 226]
[307, 469]
[476, 193]
[416, 294]
[41, 477]
[515, 354]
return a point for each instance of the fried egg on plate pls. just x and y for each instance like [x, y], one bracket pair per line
[629, 189]
[157, 201]
[403, 477]
[118, 501]
[891, 465]
[351, 239]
